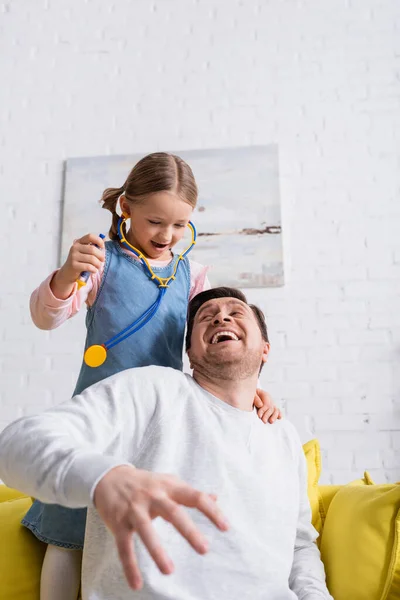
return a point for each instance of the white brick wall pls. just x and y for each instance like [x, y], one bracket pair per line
[322, 79]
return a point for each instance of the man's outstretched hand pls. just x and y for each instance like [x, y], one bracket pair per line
[127, 499]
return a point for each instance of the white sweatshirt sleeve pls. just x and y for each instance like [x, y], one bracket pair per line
[307, 578]
[60, 455]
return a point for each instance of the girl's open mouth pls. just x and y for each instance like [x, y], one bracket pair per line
[159, 246]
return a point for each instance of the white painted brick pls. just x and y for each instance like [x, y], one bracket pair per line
[342, 273]
[376, 353]
[40, 402]
[365, 460]
[395, 336]
[12, 382]
[358, 441]
[374, 404]
[318, 290]
[340, 423]
[333, 354]
[303, 338]
[281, 324]
[284, 389]
[278, 340]
[287, 356]
[306, 254]
[274, 373]
[336, 322]
[364, 337]
[43, 382]
[38, 364]
[343, 307]
[384, 320]
[378, 388]
[385, 422]
[335, 389]
[370, 372]
[342, 476]
[310, 373]
[283, 307]
[384, 272]
[309, 406]
[327, 440]
[396, 441]
[10, 411]
[391, 460]
[336, 458]
[370, 289]
[392, 475]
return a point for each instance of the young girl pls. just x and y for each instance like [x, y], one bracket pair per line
[159, 196]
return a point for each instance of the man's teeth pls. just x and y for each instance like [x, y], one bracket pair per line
[226, 334]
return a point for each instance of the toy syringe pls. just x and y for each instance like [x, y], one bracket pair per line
[84, 276]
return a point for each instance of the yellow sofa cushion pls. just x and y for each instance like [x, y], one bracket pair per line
[7, 493]
[21, 554]
[313, 456]
[328, 492]
[360, 545]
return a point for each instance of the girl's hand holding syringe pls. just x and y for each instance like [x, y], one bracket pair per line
[85, 255]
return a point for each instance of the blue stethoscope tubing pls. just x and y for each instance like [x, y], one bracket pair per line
[146, 317]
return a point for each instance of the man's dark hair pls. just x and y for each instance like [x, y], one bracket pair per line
[221, 292]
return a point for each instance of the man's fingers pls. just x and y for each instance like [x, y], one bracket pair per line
[188, 496]
[150, 539]
[127, 556]
[175, 514]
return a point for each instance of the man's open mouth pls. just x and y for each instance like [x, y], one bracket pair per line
[224, 336]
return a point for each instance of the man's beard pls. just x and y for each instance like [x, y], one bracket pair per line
[228, 369]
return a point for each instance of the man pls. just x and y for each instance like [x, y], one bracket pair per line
[106, 448]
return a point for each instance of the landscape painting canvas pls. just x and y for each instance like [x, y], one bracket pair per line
[238, 214]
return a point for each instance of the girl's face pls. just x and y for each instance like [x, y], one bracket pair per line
[157, 224]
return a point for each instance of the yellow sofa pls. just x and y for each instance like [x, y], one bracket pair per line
[359, 526]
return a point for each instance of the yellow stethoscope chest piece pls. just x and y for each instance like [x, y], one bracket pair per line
[95, 356]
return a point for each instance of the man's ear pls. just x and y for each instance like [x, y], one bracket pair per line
[124, 204]
[188, 355]
[265, 353]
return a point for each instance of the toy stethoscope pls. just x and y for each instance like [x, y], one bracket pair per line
[96, 355]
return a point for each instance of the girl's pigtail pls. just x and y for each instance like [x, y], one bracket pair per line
[109, 201]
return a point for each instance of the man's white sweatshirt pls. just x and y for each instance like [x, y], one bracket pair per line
[160, 419]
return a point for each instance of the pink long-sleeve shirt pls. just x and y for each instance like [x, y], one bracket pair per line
[49, 312]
